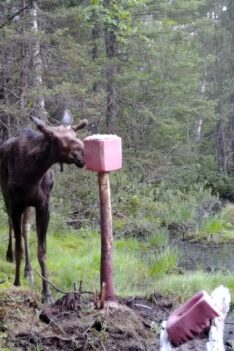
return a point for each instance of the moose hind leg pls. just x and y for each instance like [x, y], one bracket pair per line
[42, 220]
[9, 253]
[16, 223]
[25, 232]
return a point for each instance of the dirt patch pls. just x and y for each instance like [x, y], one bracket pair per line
[133, 326]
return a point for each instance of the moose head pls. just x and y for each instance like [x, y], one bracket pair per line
[63, 139]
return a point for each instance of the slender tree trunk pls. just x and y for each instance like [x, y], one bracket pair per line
[96, 30]
[5, 120]
[221, 137]
[198, 130]
[221, 147]
[111, 72]
[231, 117]
[23, 73]
[199, 122]
[95, 36]
[38, 65]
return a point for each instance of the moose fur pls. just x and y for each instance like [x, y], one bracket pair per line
[26, 181]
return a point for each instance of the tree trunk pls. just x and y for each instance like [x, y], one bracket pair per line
[221, 147]
[230, 10]
[221, 141]
[5, 120]
[111, 72]
[199, 122]
[23, 73]
[39, 104]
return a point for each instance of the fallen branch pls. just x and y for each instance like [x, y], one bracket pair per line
[60, 338]
[50, 322]
[59, 290]
[58, 326]
[143, 306]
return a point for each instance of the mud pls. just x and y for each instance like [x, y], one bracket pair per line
[132, 325]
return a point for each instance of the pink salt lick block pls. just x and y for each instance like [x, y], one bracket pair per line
[103, 153]
[192, 319]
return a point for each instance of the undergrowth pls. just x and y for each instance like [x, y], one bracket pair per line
[185, 285]
[218, 228]
[140, 266]
[144, 258]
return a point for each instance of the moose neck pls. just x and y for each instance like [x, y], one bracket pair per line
[42, 156]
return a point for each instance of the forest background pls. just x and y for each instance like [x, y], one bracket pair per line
[160, 74]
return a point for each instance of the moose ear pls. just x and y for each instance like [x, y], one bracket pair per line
[67, 118]
[41, 125]
[83, 123]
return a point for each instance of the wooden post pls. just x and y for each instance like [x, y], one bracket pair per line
[103, 153]
[107, 266]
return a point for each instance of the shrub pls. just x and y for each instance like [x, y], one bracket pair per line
[227, 214]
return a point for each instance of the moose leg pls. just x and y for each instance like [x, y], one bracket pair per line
[16, 223]
[25, 232]
[42, 220]
[9, 253]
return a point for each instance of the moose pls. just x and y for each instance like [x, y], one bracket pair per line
[26, 181]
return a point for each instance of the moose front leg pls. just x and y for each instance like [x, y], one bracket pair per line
[16, 223]
[25, 232]
[42, 220]
[9, 253]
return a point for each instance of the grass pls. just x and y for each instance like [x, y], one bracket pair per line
[186, 285]
[74, 256]
[219, 228]
[140, 266]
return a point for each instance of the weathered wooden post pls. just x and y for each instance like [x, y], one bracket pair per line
[103, 154]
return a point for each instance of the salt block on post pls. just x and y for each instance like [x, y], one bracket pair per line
[103, 153]
[191, 319]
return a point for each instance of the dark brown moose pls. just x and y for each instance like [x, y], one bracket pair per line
[26, 181]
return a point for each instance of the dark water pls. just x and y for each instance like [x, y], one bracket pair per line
[210, 258]
[207, 257]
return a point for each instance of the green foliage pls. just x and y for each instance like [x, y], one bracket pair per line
[224, 187]
[218, 228]
[214, 225]
[3, 214]
[184, 286]
[75, 256]
[227, 214]
[143, 210]
[164, 262]
[160, 239]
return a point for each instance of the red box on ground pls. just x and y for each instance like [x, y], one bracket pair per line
[103, 153]
[192, 319]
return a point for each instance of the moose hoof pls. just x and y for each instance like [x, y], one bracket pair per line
[29, 276]
[10, 257]
[47, 300]
[17, 283]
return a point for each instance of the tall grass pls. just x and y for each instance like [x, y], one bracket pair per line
[140, 266]
[187, 284]
[219, 228]
[143, 257]
[74, 256]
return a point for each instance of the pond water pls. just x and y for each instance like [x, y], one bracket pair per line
[207, 257]
[210, 258]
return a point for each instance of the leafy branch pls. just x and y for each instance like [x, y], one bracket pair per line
[16, 14]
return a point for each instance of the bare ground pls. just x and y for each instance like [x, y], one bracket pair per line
[73, 324]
